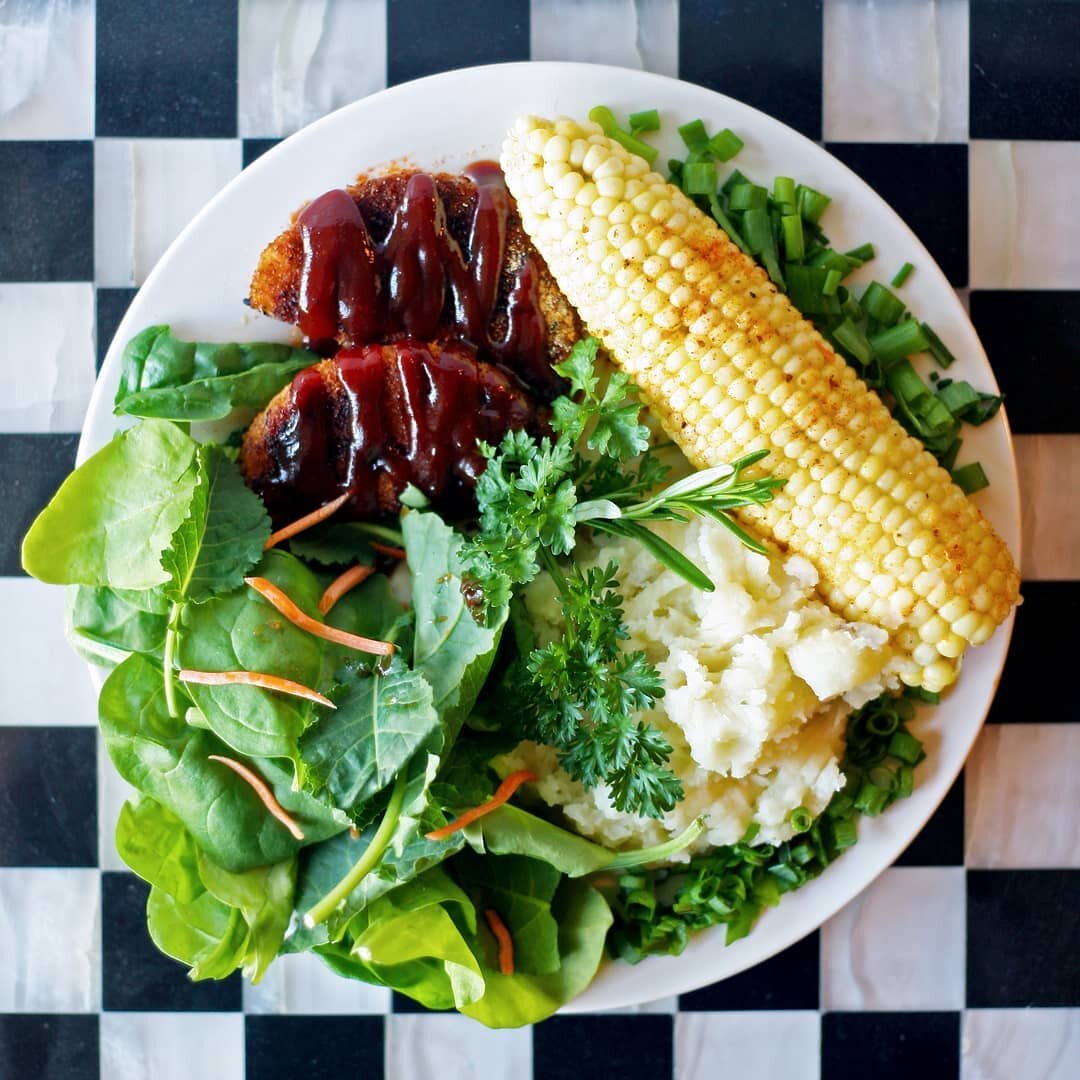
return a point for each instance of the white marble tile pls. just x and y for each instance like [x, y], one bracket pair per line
[896, 70]
[627, 33]
[1025, 227]
[47, 341]
[419, 1047]
[145, 192]
[1036, 1044]
[50, 940]
[300, 59]
[42, 679]
[172, 1046]
[1049, 465]
[47, 69]
[753, 1044]
[1022, 797]
[302, 983]
[113, 792]
[898, 945]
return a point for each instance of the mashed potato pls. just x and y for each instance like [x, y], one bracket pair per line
[759, 678]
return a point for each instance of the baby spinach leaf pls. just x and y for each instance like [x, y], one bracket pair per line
[104, 624]
[509, 830]
[264, 897]
[583, 917]
[451, 650]
[337, 543]
[207, 935]
[153, 842]
[380, 721]
[223, 535]
[167, 759]
[520, 890]
[116, 513]
[164, 377]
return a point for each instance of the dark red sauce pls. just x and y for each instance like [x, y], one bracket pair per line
[380, 416]
[416, 282]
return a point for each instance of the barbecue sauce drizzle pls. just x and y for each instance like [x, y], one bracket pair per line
[414, 412]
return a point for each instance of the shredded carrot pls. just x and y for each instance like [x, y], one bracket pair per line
[255, 678]
[341, 585]
[502, 936]
[502, 793]
[273, 595]
[306, 522]
[386, 549]
[260, 788]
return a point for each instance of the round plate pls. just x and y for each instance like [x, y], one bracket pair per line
[445, 122]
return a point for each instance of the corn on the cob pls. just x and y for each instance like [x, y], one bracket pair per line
[728, 365]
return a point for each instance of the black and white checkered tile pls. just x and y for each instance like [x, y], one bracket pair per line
[119, 120]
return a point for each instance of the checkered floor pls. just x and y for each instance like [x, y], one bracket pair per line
[118, 121]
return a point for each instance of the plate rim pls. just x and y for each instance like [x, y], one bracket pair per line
[811, 902]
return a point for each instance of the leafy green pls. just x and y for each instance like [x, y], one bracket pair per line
[104, 624]
[450, 649]
[520, 890]
[114, 515]
[222, 537]
[207, 935]
[381, 720]
[170, 379]
[340, 543]
[583, 917]
[153, 842]
[167, 759]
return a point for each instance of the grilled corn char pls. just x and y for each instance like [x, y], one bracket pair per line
[728, 365]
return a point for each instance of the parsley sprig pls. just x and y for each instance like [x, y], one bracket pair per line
[583, 693]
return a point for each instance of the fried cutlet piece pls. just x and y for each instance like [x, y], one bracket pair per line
[275, 285]
[375, 418]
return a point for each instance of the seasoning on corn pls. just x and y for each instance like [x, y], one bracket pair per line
[728, 366]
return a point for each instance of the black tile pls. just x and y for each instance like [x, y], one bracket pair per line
[1032, 690]
[47, 210]
[941, 841]
[766, 53]
[53, 1046]
[32, 467]
[1025, 69]
[112, 305]
[890, 1046]
[48, 796]
[314, 1047]
[479, 32]
[788, 980]
[628, 1047]
[167, 69]
[134, 975]
[928, 187]
[1023, 938]
[1031, 337]
[402, 1003]
[254, 149]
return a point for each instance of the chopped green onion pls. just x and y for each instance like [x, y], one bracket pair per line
[947, 459]
[882, 723]
[970, 478]
[783, 192]
[850, 338]
[602, 115]
[828, 259]
[794, 241]
[844, 833]
[812, 203]
[918, 693]
[901, 275]
[646, 120]
[958, 396]
[832, 282]
[937, 348]
[699, 178]
[733, 181]
[800, 819]
[904, 746]
[693, 134]
[726, 223]
[871, 799]
[862, 254]
[898, 341]
[757, 227]
[881, 305]
[748, 197]
[905, 781]
[724, 145]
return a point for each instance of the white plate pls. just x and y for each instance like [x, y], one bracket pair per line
[451, 119]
